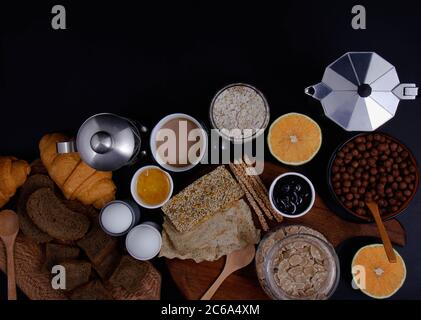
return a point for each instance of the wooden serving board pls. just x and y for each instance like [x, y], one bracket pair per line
[34, 281]
[193, 279]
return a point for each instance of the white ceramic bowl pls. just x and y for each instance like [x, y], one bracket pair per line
[154, 133]
[313, 195]
[133, 188]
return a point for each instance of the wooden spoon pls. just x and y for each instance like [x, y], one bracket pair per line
[374, 208]
[9, 228]
[236, 260]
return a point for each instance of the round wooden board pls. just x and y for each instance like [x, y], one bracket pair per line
[193, 279]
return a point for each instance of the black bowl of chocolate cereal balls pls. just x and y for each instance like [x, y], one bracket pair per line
[373, 167]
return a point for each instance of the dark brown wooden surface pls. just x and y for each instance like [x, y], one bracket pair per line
[193, 279]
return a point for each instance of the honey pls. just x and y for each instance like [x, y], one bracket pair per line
[153, 186]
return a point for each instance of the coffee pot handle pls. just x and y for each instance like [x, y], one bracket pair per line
[406, 91]
[66, 147]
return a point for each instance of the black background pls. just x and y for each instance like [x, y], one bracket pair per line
[145, 61]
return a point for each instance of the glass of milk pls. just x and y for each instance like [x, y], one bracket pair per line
[144, 241]
[118, 217]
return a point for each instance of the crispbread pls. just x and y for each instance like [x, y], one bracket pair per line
[204, 197]
[224, 232]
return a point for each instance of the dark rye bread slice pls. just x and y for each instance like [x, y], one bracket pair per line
[78, 206]
[93, 290]
[129, 274]
[29, 229]
[54, 253]
[53, 217]
[37, 167]
[97, 245]
[78, 273]
[107, 266]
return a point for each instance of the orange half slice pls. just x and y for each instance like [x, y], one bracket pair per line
[294, 139]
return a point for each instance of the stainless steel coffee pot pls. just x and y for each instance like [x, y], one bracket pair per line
[106, 142]
[361, 91]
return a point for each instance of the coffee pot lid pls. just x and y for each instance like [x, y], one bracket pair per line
[361, 91]
[107, 142]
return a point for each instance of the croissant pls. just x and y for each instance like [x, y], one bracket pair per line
[75, 178]
[13, 174]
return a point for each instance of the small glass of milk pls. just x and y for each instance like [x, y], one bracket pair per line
[118, 217]
[144, 241]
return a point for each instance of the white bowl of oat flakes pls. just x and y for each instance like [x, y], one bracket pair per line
[239, 112]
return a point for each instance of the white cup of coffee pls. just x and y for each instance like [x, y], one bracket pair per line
[178, 142]
[144, 241]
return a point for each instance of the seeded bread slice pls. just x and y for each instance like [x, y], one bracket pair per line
[93, 290]
[129, 274]
[203, 198]
[77, 273]
[53, 217]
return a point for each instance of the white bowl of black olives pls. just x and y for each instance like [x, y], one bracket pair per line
[292, 195]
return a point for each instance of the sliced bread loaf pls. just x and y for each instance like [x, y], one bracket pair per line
[97, 244]
[53, 217]
[37, 167]
[77, 273]
[78, 206]
[107, 266]
[54, 253]
[129, 274]
[93, 290]
[29, 229]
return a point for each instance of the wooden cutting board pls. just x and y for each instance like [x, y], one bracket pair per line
[193, 279]
[34, 281]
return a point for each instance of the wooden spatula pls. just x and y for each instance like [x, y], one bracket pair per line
[9, 228]
[235, 261]
[374, 208]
